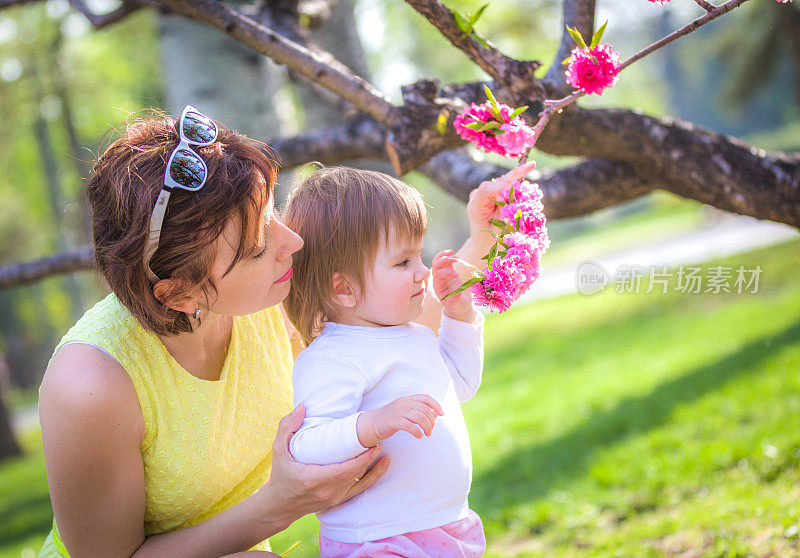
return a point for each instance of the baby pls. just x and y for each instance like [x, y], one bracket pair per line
[371, 376]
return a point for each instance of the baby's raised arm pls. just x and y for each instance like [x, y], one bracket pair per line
[460, 329]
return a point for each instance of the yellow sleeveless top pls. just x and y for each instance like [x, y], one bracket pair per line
[207, 444]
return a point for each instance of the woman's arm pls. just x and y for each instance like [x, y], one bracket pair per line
[92, 429]
[480, 210]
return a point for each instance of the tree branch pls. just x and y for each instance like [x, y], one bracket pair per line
[569, 192]
[514, 74]
[360, 137]
[705, 5]
[578, 14]
[99, 21]
[328, 73]
[17, 274]
[700, 21]
[688, 160]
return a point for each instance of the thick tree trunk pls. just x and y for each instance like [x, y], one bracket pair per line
[8, 444]
[220, 76]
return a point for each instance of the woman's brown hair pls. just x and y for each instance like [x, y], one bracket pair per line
[341, 214]
[122, 190]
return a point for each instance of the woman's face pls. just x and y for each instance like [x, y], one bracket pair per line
[258, 281]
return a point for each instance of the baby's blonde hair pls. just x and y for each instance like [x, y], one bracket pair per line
[341, 213]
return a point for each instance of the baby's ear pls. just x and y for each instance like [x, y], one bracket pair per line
[344, 291]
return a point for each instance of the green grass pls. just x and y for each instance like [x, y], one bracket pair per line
[25, 512]
[612, 425]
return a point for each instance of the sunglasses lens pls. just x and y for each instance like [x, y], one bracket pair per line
[187, 169]
[198, 128]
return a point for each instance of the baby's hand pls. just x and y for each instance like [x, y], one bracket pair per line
[406, 413]
[446, 280]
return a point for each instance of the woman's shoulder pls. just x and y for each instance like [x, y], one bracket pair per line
[83, 382]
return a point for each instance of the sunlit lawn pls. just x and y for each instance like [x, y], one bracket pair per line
[610, 425]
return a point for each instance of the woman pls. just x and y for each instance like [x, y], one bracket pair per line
[160, 406]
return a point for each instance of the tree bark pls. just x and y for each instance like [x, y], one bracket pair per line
[8, 443]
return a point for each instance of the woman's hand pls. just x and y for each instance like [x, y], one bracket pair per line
[295, 489]
[481, 207]
[445, 281]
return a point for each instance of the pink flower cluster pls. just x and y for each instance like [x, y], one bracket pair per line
[515, 267]
[510, 138]
[662, 2]
[593, 69]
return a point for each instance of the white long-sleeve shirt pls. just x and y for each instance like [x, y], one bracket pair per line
[350, 369]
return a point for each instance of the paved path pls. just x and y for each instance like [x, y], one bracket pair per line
[731, 234]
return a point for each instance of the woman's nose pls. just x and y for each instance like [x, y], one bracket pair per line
[290, 241]
[422, 273]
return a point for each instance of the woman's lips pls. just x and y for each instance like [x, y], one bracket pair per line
[286, 276]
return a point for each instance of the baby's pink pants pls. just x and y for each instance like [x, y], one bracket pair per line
[461, 539]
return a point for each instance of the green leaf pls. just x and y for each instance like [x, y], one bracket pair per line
[497, 237]
[512, 197]
[576, 36]
[566, 60]
[492, 253]
[517, 219]
[467, 284]
[441, 122]
[482, 126]
[478, 13]
[518, 111]
[493, 101]
[498, 223]
[499, 203]
[461, 22]
[480, 40]
[598, 35]
[491, 125]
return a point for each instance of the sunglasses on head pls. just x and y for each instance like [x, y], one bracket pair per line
[185, 169]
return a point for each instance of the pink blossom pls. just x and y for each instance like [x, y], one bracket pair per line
[525, 253]
[515, 136]
[518, 263]
[499, 289]
[528, 202]
[784, 1]
[662, 2]
[524, 191]
[593, 69]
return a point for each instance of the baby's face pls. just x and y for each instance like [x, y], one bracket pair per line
[394, 290]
